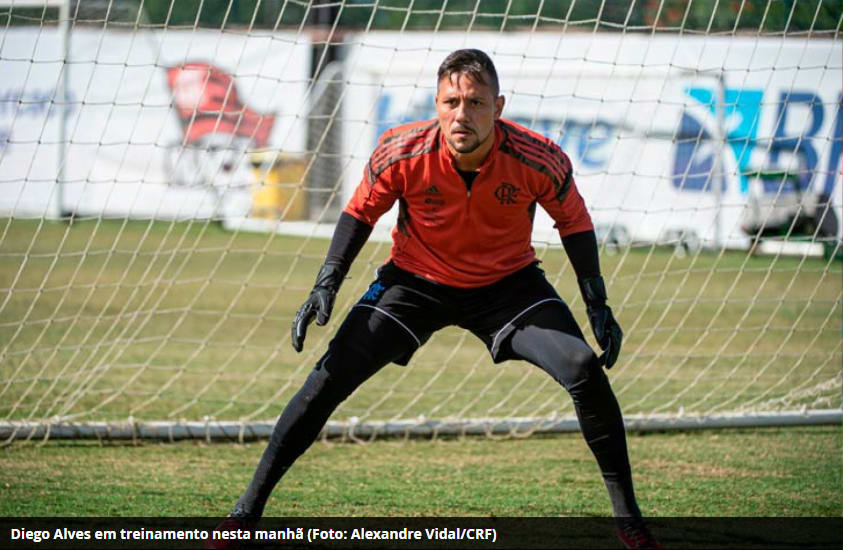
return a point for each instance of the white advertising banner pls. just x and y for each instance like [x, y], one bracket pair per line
[642, 118]
[159, 123]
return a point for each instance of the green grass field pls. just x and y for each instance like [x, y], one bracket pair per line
[167, 321]
[762, 472]
[154, 320]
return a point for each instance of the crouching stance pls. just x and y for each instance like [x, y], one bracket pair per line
[467, 184]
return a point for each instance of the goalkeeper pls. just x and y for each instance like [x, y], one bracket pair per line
[467, 185]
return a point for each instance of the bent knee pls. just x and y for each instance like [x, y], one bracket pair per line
[577, 366]
[340, 371]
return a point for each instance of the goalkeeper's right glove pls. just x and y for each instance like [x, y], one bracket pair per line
[319, 304]
[606, 329]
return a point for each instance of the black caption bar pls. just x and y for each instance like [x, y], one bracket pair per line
[416, 533]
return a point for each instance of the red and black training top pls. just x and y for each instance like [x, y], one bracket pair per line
[460, 236]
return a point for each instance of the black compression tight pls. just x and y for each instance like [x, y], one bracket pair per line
[351, 359]
[572, 363]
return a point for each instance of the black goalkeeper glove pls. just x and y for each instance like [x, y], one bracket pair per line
[606, 329]
[319, 304]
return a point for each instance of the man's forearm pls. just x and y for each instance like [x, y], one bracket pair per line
[349, 237]
[581, 249]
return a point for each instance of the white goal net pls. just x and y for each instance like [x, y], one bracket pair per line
[170, 173]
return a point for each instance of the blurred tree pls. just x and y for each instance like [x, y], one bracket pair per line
[687, 16]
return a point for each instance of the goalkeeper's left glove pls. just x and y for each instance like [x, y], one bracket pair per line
[606, 329]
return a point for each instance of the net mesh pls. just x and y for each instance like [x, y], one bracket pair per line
[171, 171]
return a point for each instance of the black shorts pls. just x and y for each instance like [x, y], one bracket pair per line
[421, 307]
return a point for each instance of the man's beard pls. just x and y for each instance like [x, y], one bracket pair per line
[467, 147]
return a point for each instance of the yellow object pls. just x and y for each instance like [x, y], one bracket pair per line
[278, 192]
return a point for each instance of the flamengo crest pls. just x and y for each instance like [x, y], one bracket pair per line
[506, 193]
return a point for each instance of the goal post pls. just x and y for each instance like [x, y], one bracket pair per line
[200, 158]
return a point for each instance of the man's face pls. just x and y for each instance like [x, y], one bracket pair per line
[467, 110]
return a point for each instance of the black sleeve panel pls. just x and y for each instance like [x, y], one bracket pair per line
[349, 237]
[582, 251]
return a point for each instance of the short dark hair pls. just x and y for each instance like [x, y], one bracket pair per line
[474, 63]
